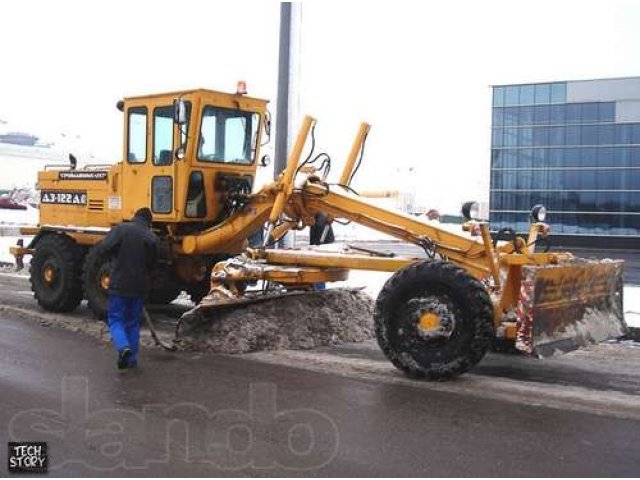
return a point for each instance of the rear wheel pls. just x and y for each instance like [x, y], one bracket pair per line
[95, 278]
[433, 320]
[55, 273]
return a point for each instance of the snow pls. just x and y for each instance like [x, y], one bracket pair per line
[19, 217]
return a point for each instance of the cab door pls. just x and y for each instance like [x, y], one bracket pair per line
[149, 173]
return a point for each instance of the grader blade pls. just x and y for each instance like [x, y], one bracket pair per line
[568, 306]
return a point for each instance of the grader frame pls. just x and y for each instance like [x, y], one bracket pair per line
[436, 316]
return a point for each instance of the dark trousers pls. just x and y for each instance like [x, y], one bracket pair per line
[125, 314]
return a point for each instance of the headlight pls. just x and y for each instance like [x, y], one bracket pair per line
[470, 210]
[539, 213]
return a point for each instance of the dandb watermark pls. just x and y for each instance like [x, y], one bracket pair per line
[257, 437]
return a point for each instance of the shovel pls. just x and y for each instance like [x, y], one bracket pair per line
[154, 333]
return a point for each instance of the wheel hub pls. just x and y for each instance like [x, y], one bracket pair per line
[434, 319]
[48, 274]
[104, 281]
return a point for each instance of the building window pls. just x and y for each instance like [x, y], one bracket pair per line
[558, 92]
[542, 93]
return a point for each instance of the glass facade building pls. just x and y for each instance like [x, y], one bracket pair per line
[573, 147]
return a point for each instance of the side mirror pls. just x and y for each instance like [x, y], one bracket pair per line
[267, 127]
[265, 161]
[180, 112]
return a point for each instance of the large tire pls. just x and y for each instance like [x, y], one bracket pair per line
[97, 266]
[55, 273]
[437, 349]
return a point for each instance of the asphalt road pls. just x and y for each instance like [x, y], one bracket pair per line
[337, 411]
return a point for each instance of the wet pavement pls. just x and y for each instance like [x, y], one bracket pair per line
[325, 412]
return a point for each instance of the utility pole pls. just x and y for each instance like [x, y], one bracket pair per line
[287, 95]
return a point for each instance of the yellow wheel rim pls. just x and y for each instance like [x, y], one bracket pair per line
[429, 321]
[48, 274]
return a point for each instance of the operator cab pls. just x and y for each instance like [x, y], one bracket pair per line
[187, 153]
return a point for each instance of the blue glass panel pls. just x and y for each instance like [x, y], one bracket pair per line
[498, 96]
[510, 116]
[496, 137]
[573, 113]
[511, 95]
[621, 157]
[496, 117]
[555, 157]
[539, 182]
[609, 180]
[526, 94]
[623, 133]
[557, 114]
[496, 158]
[510, 158]
[589, 135]
[635, 133]
[605, 135]
[558, 92]
[588, 157]
[604, 157]
[572, 157]
[556, 135]
[572, 135]
[541, 136]
[555, 181]
[607, 112]
[526, 115]
[525, 158]
[525, 137]
[542, 93]
[634, 158]
[510, 137]
[524, 180]
[496, 179]
[540, 157]
[589, 112]
[509, 179]
[541, 115]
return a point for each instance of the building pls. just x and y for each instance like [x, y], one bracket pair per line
[574, 147]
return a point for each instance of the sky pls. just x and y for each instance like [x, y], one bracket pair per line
[419, 72]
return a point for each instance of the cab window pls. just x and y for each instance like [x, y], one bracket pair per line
[228, 135]
[137, 135]
[163, 135]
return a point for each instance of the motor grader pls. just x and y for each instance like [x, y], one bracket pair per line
[191, 157]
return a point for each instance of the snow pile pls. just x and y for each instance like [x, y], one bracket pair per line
[298, 322]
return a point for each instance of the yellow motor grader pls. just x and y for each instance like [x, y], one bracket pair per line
[191, 157]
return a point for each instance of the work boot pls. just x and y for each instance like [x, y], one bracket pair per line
[123, 358]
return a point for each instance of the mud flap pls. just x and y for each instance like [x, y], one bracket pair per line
[565, 307]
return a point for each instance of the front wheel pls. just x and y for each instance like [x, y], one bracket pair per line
[433, 320]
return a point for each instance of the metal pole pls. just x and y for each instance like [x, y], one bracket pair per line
[282, 101]
[287, 96]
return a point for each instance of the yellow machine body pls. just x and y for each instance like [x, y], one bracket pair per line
[191, 157]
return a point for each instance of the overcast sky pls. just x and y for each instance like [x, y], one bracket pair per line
[419, 72]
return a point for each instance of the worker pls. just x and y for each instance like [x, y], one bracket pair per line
[134, 248]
